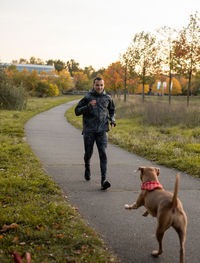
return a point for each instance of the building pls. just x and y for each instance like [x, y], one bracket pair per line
[29, 67]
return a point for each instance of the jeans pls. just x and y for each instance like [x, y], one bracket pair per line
[101, 141]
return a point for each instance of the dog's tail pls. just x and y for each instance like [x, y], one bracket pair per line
[174, 199]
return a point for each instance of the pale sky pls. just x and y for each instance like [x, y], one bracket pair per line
[91, 32]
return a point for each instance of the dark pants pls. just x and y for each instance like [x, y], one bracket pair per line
[101, 141]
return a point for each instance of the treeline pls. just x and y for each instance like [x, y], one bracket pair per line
[164, 56]
[16, 86]
[166, 62]
[81, 77]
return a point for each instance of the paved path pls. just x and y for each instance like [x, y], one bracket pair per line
[131, 236]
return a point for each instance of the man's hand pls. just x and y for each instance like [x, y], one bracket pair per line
[93, 102]
[112, 125]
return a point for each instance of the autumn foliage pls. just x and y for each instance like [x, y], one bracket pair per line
[114, 77]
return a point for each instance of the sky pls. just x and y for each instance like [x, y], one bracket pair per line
[91, 32]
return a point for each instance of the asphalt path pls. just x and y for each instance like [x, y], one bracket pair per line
[128, 234]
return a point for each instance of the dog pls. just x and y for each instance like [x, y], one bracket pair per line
[163, 205]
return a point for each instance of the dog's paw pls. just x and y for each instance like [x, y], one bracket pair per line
[126, 206]
[156, 253]
[145, 213]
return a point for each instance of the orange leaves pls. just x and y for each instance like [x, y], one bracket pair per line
[114, 76]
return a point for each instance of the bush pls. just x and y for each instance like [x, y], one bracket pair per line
[11, 98]
[45, 89]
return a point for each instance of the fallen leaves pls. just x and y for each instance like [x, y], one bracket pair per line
[15, 240]
[40, 227]
[11, 226]
[74, 207]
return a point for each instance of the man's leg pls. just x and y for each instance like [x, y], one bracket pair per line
[101, 141]
[89, 139]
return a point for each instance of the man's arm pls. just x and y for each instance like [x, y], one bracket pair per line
[83, 107]
[111, 110]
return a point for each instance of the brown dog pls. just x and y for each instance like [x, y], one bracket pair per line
[163, 205]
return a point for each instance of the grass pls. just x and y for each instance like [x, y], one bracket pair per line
[166, 135]
[35, 216]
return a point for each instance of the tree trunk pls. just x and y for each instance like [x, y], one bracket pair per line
[143, 82]
[125, 78]
[170, 84]
[189, 88]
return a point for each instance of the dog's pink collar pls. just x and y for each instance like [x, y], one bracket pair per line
[151, 185]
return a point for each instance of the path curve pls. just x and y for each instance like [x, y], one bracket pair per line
[131, 236]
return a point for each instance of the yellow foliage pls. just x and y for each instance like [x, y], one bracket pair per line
[81, 81]
[139, 89]
[176, 87]
[53, 90]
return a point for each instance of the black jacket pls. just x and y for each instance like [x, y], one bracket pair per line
[96, 118]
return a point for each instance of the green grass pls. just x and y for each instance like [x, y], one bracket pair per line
[176, 146]
[43, 221]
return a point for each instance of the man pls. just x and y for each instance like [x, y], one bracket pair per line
[98, 110]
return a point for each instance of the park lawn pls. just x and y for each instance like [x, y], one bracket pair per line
[35, 216]
[176, 146]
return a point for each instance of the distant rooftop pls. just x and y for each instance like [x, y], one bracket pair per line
[29, 67]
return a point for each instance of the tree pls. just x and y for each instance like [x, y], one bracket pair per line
[89, 71]
[140, 89]
[36, 61]
[72, 66]
[175, 87]
[63, 81]
[187, 50]
[196, 84]
[167, 35]
[59, 65]
[50, 62]
[114, 77]
[31, 80]
[81, 81]
[143, 58]
[23, 61]
[184, 83]
[98, 73]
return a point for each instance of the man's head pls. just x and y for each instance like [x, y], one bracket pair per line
[98, 84]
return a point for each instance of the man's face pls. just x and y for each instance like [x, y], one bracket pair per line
[99, 86]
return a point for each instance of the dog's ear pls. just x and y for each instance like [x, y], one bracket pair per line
[141, 169]
[157, 171]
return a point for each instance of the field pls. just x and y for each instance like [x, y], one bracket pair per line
[35, 216]
[166, 134]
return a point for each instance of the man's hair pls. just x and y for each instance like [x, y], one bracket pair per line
[97, 78]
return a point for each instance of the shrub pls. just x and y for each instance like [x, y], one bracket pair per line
[11, 98]
[53, 90]
[45, 89]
